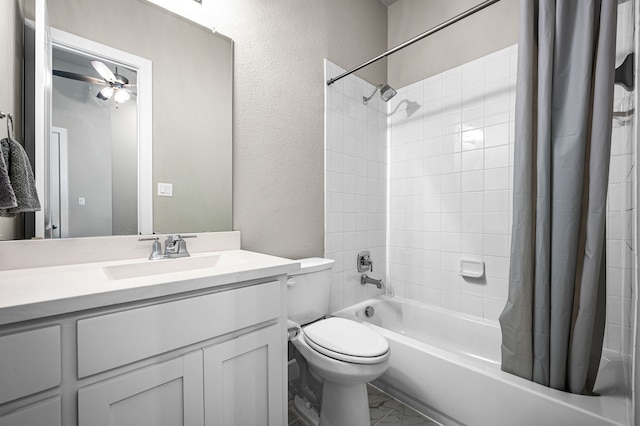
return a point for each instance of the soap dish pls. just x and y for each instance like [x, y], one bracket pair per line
[471, 268]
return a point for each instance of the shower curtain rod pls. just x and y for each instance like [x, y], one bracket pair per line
[419, 37]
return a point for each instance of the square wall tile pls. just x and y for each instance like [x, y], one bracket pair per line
[472, 305]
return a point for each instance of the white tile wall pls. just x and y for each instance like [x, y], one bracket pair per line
[355, 196]
[455, 202]
[621, 249]
[450, 177]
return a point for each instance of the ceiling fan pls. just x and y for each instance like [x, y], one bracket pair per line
[117, 86]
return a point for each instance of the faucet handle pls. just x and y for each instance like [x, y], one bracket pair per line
[170, 244]
[178, 237]
[176, 246]
[364, 262]
[156, 248]
[182, 244]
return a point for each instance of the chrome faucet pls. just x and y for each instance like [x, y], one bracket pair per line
[174, 246]
[365, 279]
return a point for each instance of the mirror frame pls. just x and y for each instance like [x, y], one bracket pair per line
[144, 68]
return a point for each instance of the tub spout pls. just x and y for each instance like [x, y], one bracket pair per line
[365, 279]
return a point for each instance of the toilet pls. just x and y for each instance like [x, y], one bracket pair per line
[336, 356]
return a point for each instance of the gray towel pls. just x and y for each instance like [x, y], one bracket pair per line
[21, 177]
[7, 196]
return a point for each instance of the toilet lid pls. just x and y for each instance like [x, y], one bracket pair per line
[346, 337]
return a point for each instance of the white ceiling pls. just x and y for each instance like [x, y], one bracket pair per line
[387, 2]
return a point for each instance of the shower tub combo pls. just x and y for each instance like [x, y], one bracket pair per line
[447, 365]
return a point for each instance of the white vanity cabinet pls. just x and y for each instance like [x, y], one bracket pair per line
[236, 380]
[209, 357]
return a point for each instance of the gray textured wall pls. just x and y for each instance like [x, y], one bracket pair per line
[278, 156]
[489, 30]
[11, 87]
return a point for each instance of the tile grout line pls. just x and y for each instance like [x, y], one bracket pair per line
[387, 415]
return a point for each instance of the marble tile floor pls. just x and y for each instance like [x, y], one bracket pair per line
[383, 410]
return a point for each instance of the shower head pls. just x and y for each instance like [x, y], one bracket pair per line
[386, 92]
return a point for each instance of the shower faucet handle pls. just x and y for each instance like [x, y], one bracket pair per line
[364, 261]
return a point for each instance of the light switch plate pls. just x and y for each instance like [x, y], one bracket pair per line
[165, 189]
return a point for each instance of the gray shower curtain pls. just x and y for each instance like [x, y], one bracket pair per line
[553, 322]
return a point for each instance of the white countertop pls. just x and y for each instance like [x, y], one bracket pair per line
[27, 294]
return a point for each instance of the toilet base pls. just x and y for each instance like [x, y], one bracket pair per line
[306, 411]
[344, 405]
[341, 405]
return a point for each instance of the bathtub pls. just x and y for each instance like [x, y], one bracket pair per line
[447, 366]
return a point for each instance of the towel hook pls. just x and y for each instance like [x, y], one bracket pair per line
[9, 118]
[9, 126]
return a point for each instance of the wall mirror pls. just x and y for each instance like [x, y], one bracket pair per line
[191, 119]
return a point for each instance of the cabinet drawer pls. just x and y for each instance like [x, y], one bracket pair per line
[117, 339]
[43, 413]
[30, 362]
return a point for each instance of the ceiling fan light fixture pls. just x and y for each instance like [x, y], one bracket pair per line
[117, 86]
[121, 96]
[106, 93]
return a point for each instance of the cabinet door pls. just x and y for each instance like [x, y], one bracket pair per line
[43, 413]
[243, 382]
[165, 394]
[30, 362]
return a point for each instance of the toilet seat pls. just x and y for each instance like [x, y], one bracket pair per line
[347, 341]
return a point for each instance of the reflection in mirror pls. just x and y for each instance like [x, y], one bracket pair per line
[93, 149]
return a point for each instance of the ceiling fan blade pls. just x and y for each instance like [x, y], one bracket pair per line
[104, 71]
[79, 77]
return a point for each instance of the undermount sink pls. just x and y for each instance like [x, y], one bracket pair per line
[167, 266]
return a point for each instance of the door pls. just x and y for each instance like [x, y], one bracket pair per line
[165, 394]
[57, 217]
[243, 382]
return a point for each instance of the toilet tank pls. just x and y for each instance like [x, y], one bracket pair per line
[308, 290]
